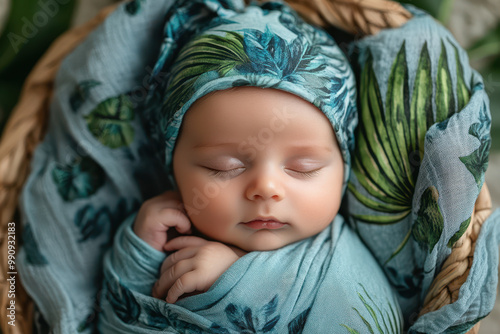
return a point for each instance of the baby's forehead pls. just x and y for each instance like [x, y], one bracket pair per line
[252, 113]
[254, 103]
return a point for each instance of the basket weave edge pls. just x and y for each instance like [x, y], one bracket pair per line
[23, 131]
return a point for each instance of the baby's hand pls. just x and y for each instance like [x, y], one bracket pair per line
[195, 266]
[157, 215]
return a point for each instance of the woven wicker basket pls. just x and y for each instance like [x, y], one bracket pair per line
[26, 128]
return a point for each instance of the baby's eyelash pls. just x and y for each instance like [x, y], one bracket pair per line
[310, 173]
[235, 171]
[217, 172]
[307, 174]
[225, 173]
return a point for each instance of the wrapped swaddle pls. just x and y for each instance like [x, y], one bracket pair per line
[328, 282]
[117, 109]
[118, 106]
[421, 153]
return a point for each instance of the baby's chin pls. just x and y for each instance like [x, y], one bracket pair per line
[266, 241]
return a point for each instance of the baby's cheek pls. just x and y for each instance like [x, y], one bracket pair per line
[215, 219]
[200, 198]
[323, 213]
[324, 205]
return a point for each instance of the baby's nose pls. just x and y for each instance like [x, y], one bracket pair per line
[265, 185]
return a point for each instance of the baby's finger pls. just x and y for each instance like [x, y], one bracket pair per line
[170, 217]
[184, 242]
[168, 278]
[172, 199]
[172, 259]
[185, 284]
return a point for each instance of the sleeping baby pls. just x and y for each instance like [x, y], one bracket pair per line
[257, 117]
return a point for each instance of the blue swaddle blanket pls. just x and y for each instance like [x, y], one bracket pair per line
[318, 285]
[421, 154]
[108, 148]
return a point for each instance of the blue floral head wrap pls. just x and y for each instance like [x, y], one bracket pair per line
[215, 45]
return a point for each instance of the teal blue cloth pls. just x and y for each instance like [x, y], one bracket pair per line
[316, 285]
[107, 148]
[215, 45]
[421, 153]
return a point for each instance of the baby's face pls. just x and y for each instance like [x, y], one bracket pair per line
[258, 168]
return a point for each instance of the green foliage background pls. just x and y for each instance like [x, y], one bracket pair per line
[20, 49]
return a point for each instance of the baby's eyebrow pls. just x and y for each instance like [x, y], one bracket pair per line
[310, 147]
[215, 145]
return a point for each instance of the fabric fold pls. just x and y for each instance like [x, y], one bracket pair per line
[75, 197]
[422, 151]
[131, 257]
[315, 285]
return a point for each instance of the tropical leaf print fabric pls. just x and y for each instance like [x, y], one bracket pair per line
[305, 292]
[100, 160]
[420, 157]
[85, 174]
[268, 47]
[254, 47]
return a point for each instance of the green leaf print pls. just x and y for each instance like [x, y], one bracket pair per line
[170, 321]
[123, 301]
[81, 93]
[463, 94]
[377, 162]
[92, 222]
[110, 121]
[445, 103]
[421, 104]
[154, 317]
[133, 7]
[296, 326]
[79, 179]
[460, 232]
[33, 254]
[202, 56]
[388, 321]
[477, 161]
[429, 225]
[398, 129]
[390, 138]
[244, 320]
